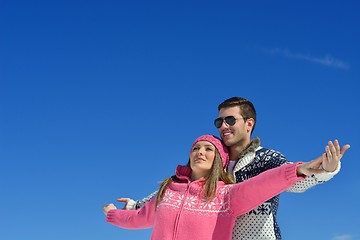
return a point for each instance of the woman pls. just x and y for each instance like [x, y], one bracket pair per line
[200, 203]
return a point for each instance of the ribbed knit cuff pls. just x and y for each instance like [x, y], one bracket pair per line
[291, 171]
[110, 215]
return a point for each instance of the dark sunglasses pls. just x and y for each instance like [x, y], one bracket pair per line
[230, 120]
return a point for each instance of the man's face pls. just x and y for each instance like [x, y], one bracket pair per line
[236, 134]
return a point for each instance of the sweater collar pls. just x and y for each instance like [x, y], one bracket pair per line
[251, 148]
[247, 155]
[184, 173]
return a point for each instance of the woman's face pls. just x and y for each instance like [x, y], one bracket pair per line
[202, 157]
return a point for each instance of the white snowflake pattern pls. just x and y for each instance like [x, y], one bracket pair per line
[179, 200]
[168, 196]
[210, 205]
[224, 197]
[190, 201]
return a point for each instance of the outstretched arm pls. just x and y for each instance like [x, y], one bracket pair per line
[330, 164]
[254, 191]
[138, 219]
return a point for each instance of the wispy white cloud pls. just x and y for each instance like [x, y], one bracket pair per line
[328, 60]
[344, 237]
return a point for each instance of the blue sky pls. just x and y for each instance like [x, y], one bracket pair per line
[102, 99]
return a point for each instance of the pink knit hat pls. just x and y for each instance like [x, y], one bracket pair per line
[222, 149]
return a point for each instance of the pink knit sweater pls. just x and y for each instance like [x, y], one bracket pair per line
[183, 214]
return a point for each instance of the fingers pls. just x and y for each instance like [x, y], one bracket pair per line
[318, 160]
[316, 163]
[109, 205]
[315, 171]
[333, 150]
[337, 147]
[344, 148]
[328, 151]
[312, 167]
[125, 200]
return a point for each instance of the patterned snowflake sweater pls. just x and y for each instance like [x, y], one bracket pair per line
[183, 213]
[260, 223]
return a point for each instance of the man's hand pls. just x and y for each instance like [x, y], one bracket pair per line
[129, 203]
[330, 162]
[327, 162]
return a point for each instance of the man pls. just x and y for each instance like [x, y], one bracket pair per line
[236, 121]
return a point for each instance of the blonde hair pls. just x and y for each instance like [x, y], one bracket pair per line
[209, 186]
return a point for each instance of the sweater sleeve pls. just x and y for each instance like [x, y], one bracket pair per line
[275, 159]
[313, 180]
[133, 219]
[249, 194]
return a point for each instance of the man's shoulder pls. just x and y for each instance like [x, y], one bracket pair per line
[265, 150]
[270, 155]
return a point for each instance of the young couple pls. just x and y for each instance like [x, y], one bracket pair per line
[199, 201]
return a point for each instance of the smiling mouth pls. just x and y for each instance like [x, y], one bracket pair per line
[226, 135]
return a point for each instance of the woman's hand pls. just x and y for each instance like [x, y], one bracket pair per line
[310, 168]
[108, 207]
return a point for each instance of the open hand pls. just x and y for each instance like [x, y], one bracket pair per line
[333, 155]
[108, 207]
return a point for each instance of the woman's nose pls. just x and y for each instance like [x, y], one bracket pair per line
[201, 151]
